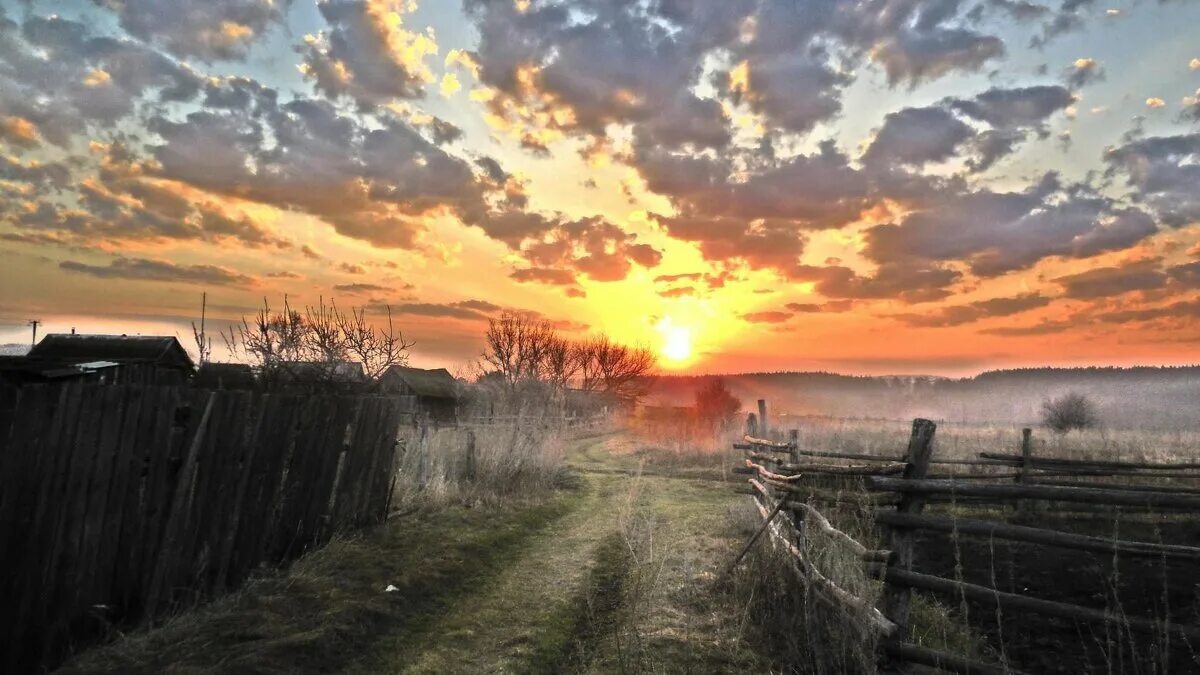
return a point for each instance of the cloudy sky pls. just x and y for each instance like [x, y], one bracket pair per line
[876, 186]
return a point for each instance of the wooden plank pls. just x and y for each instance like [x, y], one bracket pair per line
[1079, 542]
[951, 663]
[1107, 496]
[126, 467]
[176, 518]
[250, 436]
[92, 580]
[894, 576]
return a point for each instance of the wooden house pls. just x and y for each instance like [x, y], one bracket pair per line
[436, 390]
[116, 359]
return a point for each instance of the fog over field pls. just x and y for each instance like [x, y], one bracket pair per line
[1165, 399]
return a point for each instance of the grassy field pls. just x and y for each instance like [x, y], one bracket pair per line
[608, 571]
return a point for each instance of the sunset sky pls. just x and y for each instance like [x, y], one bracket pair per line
[883, 186]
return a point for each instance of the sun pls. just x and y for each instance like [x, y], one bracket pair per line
[676, 341]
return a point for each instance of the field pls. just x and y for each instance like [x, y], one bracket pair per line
[607, 550]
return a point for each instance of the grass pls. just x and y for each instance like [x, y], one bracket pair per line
[317, 615]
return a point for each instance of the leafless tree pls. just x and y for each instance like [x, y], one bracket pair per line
[619, 370]
[525, 349]
[517, 347]
[322, 338]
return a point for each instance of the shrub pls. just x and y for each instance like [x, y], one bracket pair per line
[715, 403]
[1069, 411]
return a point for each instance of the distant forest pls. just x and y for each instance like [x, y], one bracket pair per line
[1165, 398]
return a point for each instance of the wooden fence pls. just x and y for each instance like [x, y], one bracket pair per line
[122, 503]
[785, 480]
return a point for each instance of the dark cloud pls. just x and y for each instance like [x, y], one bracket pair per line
[957, 315]
[367, 53]
[214, 29]
[142, 269]
[355, 289]
[1019, 107]
[1164, 172]
[1104, 282]
[60, 79]
[373, 184]
[766, 317]
[916, 136]
[999, 232]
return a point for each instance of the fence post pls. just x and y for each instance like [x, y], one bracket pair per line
[1023, 473]
[470, 469]
[763, 427]
[794, 445]
[894, 603]
[751, 425]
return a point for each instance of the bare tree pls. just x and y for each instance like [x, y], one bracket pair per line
[618, 370]
[318, 341]
[518, 347]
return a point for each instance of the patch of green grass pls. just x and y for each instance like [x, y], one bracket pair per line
[318, 615]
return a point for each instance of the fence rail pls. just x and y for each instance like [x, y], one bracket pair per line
[120, 503]
[782, 474]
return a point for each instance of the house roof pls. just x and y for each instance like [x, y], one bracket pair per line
[225, 374]
[49, 369]
[435, 383]
[337, 371]
[161, 349]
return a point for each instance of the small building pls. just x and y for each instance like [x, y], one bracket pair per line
[316, 376]
[436, 390]
[225, 376]
[124, 359]
[21, 370]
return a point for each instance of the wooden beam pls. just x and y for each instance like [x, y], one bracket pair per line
[1036, 535]
[952, 663]
[893, 575]
[1151, 466]
[1047, 492]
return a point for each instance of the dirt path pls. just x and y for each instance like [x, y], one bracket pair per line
[618, 584]
[612, 575]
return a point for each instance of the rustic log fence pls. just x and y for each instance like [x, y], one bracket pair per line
[124, 503]
[785, 480]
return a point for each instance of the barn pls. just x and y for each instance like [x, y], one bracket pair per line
[117, 359]
[436, 390]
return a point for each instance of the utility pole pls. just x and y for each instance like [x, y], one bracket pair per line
[35, 323]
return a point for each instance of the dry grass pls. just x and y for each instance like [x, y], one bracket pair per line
[517, 461]
[960, 441]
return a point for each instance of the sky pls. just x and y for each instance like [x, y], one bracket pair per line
[881, 186]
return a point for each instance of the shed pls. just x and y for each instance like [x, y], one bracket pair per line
[139, 359]
[225, 376]
[436, 390]
[316, 376]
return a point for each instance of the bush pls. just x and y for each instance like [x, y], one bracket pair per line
[1069, 411]
[715, 403]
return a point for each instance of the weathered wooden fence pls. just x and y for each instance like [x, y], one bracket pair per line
[785, 480]
[122, 503]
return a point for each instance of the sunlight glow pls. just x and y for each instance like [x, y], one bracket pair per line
[677, 340]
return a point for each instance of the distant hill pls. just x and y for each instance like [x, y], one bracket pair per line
[1127, 398]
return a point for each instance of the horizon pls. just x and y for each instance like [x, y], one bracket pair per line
[740, 186]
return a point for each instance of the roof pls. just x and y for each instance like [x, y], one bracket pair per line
[163, 350]
[49, 369]
[228, 375]
[435, 383]
[307, 371]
